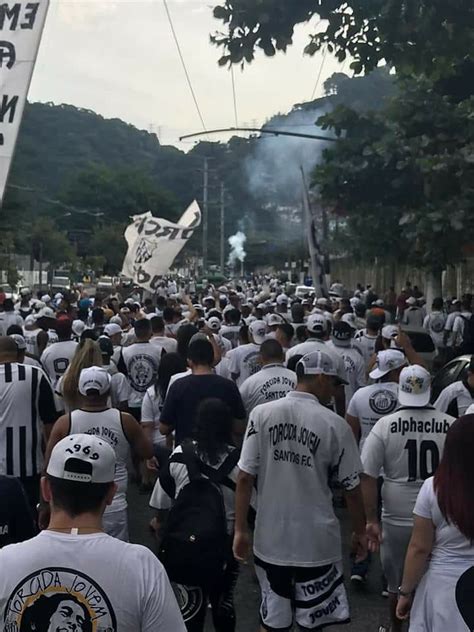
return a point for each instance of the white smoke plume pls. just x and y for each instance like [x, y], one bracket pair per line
[237, 253]
[274, 168]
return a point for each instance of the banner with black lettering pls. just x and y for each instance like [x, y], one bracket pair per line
[154, 243]
[21, 26]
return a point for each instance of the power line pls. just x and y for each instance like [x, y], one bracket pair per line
[316, 85]
[236, 118]
[188, 78]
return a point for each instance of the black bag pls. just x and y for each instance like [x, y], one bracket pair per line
[467, 345]
[195, 545]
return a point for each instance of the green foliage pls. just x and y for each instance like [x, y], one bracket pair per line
[48, 243]
[414, 36]
[403, 178]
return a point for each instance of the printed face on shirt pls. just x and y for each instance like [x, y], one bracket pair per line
[69, 617]
[58, 600]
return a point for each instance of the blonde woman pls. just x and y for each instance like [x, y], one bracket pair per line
[87, 354]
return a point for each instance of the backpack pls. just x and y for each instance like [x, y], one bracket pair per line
[437, 323]
[195, 545]
[467, 345]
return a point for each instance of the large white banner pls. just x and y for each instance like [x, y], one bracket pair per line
[154, 243]
[21, 26]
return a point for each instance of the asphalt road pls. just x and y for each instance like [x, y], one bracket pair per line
[368, 608]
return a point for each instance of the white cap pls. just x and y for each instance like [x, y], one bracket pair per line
[379, 302]
[214, 323]
[94, 378]
[116, 320]
[25, 291]
[78, 327]
[19, 340]
[112, 329]
[46, 298]
[414, 386]
[387, 360]
[411, 300]
[58, 296]
[319, 363]
[350, 319]
[275, 319]
[282, 299]
[83, 458]
[30, 320]
[317, 323]
[258, 331]
[389, 332]
[46, 312]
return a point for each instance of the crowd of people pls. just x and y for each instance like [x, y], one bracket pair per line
[246, 412]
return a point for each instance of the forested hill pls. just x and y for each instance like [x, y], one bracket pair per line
[80, 174]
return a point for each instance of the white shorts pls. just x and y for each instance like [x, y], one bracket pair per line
[392, 553]
[313, 597]
[116, 524]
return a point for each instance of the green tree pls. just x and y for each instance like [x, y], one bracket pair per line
[109, 243]
[412, 35]
[403, 178]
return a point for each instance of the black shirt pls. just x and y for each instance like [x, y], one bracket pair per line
[185, 395]
[16, 521]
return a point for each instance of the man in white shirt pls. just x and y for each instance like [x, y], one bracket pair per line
[170, 345]
[317, 328]
[435, 322]
[72, 576]
[372, 402]
[273, 382]
[244, 360]
[408, 446]
[9, 317]
[460, 323]
[291, 446]
[341, 342]
[118, 428]
[139, 363]
[413, 316]
[456, 398]
[448, 327]
[57, 357]
[367, 338]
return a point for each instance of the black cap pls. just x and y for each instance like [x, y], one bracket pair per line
[342, 331]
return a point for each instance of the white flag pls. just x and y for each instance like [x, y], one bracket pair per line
[21, 26]
[154, 243]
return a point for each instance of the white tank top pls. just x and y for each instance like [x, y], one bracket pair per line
[107, 425]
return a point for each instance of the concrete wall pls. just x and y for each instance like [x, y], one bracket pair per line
[456, 279]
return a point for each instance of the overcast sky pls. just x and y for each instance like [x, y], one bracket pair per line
[118, 58]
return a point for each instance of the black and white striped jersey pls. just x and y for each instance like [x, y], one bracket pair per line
[26, 403]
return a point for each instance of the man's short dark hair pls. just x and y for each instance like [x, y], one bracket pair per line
[271, 350]
[233, 316]
[157, 324]
[98, 316]
[15, 329]
[438, 303]
[168, 314]
[293, 361]
[142, 327]
[287, 329]
[201, 352]
[76, 498]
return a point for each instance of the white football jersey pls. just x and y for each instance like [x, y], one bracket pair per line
[408, 445]
[370, 403]
[244, 362]
[56, 359]
[273, 382]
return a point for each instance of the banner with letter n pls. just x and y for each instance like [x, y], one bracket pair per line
[21, 27]
[154, 243]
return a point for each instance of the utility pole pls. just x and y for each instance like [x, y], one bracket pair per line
[222, 228]
[205, 209]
